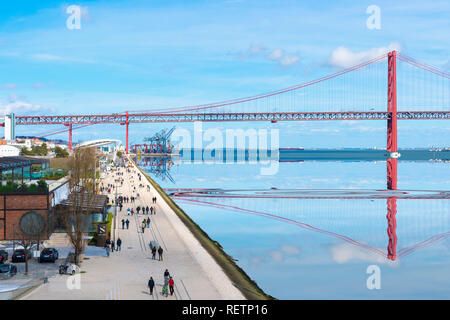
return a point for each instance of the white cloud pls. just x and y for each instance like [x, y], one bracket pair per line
[256, 49]
[276, 54]
[343, 57]
[289, 60]
[288, 249]
[20, 107]
[344, 253]
[39, 85]
[276, 256]
[9, 86]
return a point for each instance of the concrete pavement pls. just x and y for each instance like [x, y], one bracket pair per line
[124, 275]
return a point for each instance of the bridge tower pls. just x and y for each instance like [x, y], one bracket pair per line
[126, 123]
[392, 122]
[69, 124]
[391, 150]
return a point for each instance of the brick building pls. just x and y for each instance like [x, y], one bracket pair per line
[14, 203]
[14, 206]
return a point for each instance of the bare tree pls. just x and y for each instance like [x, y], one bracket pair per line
[31, 226]
[81, 198]
[27, 244]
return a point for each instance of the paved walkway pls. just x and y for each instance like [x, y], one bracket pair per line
[124, 275]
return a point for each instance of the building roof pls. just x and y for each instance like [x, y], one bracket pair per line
[97, 143]
[8, 163]
[93, 203]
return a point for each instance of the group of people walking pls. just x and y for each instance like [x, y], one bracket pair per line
[145, 224]
[146, 210]
[160, 253]
[110, 246]
[169, 284]
[127, 199]
[125, 222]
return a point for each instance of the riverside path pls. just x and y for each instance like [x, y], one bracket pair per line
[125, 274]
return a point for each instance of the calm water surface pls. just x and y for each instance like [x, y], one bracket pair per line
[300, 238]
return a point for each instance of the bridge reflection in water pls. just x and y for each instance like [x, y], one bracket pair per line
[338, 213]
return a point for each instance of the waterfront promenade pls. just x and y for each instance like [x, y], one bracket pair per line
[124, 275]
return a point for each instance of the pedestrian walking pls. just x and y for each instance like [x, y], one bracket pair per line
[107, 247]
[151, 210]
[151, 285]
[119, 244]
[160, 254]
[146, 209]
[165, 287]
[138, 208]
[171, 284]
[143, 226]
[123, 224]
[166, 274]
[153, 253]
[148, 222]
[112, 245]
[127, 222]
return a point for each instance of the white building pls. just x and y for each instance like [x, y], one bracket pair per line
[10, 127]
[22, 143]
[9, 151]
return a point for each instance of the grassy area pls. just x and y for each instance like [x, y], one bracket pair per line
[240, 279]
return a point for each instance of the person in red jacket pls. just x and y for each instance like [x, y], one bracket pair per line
[171, 286]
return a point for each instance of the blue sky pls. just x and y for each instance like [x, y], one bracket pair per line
[139, 55]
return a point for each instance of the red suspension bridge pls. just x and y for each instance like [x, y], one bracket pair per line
[390, 87]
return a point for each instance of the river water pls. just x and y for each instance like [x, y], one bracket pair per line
[323, 229]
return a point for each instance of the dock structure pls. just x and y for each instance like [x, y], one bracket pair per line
[125, 274]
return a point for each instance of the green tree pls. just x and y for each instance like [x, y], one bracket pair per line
[25, 151]
[39, 150]
[60, 152]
